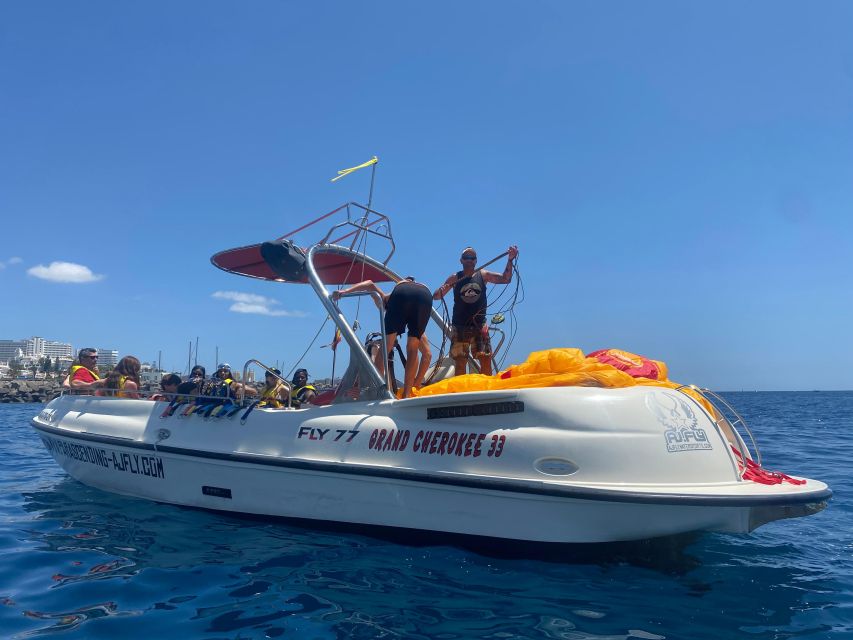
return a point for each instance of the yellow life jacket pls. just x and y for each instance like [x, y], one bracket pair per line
[299, 394]
[74, 369]
[270, 397]
[121, 382]
[115, 393]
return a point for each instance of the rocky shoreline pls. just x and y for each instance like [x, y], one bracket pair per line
[14, 391]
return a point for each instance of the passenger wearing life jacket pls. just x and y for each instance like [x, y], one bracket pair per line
[123, 381]
[224, 384]
[274, 394]
[470, 333]
[83, 374]
[303, 392]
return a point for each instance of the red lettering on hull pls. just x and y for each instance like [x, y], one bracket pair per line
[440, 443]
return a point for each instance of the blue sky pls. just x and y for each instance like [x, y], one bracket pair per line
[678, 176]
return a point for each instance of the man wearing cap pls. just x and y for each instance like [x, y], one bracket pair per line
[274, 392]
[224, 377]
[469, 331]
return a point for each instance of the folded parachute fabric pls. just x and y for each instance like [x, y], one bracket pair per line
[562, 367]
[631, 363]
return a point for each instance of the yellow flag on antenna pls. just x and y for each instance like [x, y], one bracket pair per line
[346, 172]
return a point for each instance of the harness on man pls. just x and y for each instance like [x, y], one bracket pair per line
[374, 341]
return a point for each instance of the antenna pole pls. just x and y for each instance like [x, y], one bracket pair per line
[372, 179]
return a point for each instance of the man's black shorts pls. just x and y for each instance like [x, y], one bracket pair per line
[409, 306]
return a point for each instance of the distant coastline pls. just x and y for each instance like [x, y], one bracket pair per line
[20, 391]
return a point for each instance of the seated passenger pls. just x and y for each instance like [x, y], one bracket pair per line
[83, 374]
[194, 384]
[303, 393]
[225, 385]
[168, 388]
[123, 381]
[274, 394]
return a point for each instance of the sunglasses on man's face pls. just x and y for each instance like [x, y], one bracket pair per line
[469, 257]
[91, 357]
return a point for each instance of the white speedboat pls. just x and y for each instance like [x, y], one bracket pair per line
[559, 464]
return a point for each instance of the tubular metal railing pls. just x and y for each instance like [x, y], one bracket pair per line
[726, 422]
[269, 370]
[363, 226]
[380, 304]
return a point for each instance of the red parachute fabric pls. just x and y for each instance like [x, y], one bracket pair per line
[634, 365]
[761, 475]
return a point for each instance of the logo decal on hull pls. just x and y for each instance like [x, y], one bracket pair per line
[682, 430]
[137, 464]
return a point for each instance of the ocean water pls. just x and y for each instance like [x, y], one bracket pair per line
[76, 562]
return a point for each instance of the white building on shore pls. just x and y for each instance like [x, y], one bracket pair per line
[107, 358]
[12, 349]
[30, 351]
[35, 348]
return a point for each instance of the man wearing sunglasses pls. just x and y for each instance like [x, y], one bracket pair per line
[470, 333]
[84, 372]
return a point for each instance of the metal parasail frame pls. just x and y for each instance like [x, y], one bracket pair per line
[373, 223]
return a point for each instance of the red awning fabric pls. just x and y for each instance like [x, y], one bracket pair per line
[332, 268]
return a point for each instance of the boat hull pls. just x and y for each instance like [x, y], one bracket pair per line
[271, 466]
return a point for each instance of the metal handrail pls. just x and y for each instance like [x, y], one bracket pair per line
[380, 304]
[500, 342]
[170, 398]
[723, 422]
[738, 419]
[362, 226]
[337, 317]
[269, 371]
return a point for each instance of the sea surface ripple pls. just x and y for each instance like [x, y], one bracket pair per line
[76, 562]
